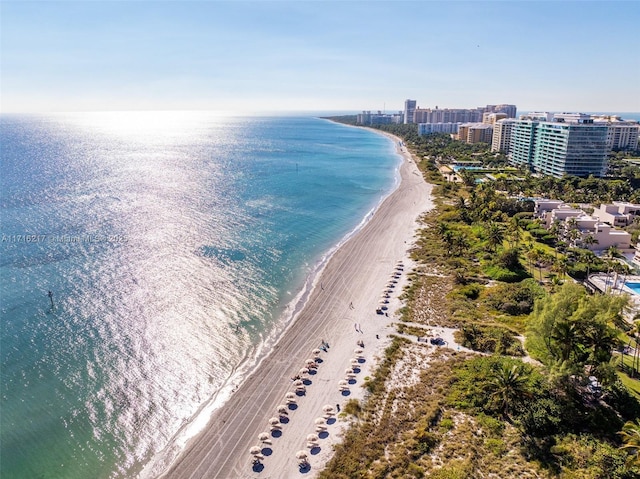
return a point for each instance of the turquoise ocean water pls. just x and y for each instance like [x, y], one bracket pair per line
[175, 246]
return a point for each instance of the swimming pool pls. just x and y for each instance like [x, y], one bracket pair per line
[462, 167]
[634, 287]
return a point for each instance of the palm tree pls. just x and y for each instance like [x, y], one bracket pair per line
[561, 266]
[565, 335]
[630, 436]
[544, 260]
[495, 235]
[514, 231]
[460, 243]
[625, 269]
[589, 259]
[574, 235]
[533, 255]
[589, 241]
[509, 385]
[611, 253]
[468, 178]
[635, 332]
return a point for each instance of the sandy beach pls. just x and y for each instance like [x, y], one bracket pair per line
[340, 310]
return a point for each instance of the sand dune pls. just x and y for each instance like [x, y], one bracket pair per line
[340, 310]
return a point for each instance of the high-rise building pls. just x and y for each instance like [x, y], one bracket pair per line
[491, 118]
[409, 108]
[574, 147]
[501, 140]
[427, 128]
[509, 110]
[623, 135]
[475, 132]
[462, 115]
[537, 116]
[379, 118]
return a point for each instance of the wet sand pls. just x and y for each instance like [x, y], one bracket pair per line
[341, 310]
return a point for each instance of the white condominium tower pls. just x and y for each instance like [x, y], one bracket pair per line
[501, 140]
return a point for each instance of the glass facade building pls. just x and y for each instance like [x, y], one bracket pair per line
[559, 148]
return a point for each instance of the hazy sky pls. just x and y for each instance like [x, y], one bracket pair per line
[318, 55]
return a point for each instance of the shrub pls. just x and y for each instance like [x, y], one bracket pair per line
[502, 274]
[490, 425]
[471, 291]
[353, 407]
[514, 298]
[490, 339]
[496, 446]
[446, 424]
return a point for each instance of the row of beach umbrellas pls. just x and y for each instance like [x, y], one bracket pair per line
[283, 410]
[312, 439]
[393, 281]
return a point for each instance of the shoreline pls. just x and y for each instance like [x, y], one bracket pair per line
[162, 461]
[221, 448]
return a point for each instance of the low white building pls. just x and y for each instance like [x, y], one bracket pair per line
[618, 213]
[561, 214]
[604, 235]
[571, 219]
[544, 206]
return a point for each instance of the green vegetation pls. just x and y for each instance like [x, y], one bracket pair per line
[489, 339]
[572, 330]
[486, 267]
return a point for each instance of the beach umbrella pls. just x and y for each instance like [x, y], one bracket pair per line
[304, 371]
[358, 351]
[255, 450]
[319, 421]
[348, 371]
[310, 361]
[354, 361]
[274, 421]
[342, 382]
[312, 438]
[327, 408]
[315, 351]
[301, 455]
[282, 409]
[298, 382]
[263, 436]
[290, 395]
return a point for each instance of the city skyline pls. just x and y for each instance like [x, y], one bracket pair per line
[264, 56]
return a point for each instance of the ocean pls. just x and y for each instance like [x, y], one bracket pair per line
[147, 260]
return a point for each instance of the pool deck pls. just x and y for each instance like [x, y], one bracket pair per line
[604, 284]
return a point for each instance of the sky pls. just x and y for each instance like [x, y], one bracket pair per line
[332, 55]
